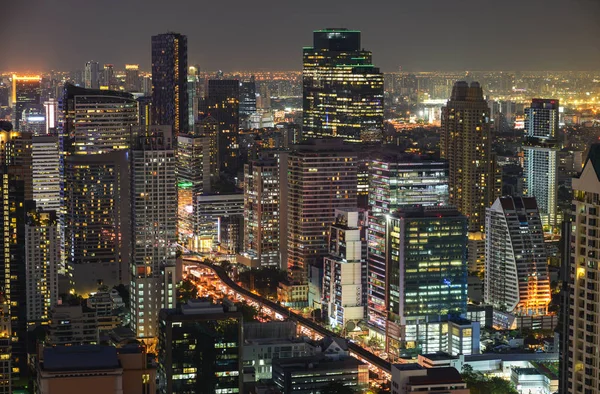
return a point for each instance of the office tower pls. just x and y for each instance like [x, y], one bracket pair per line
[247, 97]
[209, 129]
[92, 75]
[193, 100]
[583, 358]
[26, 91]
[540, 167]
[107, 81]
[421, 288]
[343, 91]
[33, 119]
[95, 136]
[45, 159]
[169, 81]
[132, 78]
[5, 348]
[466, 144]
[396, 180]
[200, 349]
[222, 103]
[321, 176]
[154, 228]
[343, 269]
[145, 111]
[516, 264]
[51, 107]
[42, 261]
[4, 95]
[220, 221]
[261, 212]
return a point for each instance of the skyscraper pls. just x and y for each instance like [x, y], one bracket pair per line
[516, 266]
[261, 212]
[45, 159]
[396, 180]
[26, 90]
[423, 287]
[154, 228]
[321, 176]
[540, 167]
[466, 144]
[343, 91]
[92, 75]
[108, 77]
[583, 358]
[223, 104]
[132, 78]
[193, 100]
[248, 97]
[169, 81]
[95, 137]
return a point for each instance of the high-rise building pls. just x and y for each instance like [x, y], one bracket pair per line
[45, 161]
[583, 358]
[540, 167]
[193, 100]
[343, 91]
[223, 104]
[321, 176]
[420, 288]
[5, 348]
[516, 263]
[92, 75]
[343, 269]
[132, 78]
[220, 222]
[51, 107]
[145, 111]
[107, 80]
[466, 144]
[169, 81]
[200, 349]
[396, 180]
[154, 228]
[95, 136]
[261, 212]
[33, 119]
[26, 90]
[42, 261]
[248, 97]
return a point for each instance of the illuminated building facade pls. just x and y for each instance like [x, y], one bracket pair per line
[95, 137]
[200, 349]
[342, 90]
[396, 180]
[220, 221]
[107, 80]
[248, 97]
[426, 273]
[154, 228]
[92, 75]
[516, 264]
[42, 261]
[540, 167]
[51, 107]
[145, 111]
[5, 349]
[223, 104]
[192, 86]
[45, 158]
[132, 78]
[321, 176]
[344, 267]
[583, 359]
[26, 91]
[33, 119]
[169, 81]
[466, 144]
[261, 212]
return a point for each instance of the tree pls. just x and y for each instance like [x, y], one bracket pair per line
[187, 290]
[249, 313]
[478, 383]
[337, 388]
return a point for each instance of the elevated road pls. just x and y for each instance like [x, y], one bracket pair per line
[377, 365]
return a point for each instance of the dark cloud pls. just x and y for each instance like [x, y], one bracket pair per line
[269, 34]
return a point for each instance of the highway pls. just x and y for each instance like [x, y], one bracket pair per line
[377, 365]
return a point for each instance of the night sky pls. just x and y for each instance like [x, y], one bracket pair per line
[269, 34]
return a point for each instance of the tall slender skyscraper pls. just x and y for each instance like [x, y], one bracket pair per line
[541, 157]
[516, 265]
[26, 90]
[154, 228]
[583, 359]
[132, 78]
[169, 81]
[466, 144]
[343, 91]
[92, 75]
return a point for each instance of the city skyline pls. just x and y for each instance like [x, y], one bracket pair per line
[497, 36]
